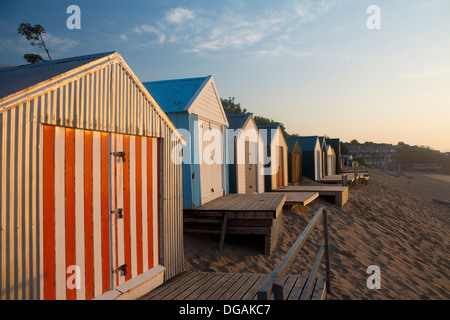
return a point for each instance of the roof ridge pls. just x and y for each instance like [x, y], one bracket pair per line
[58, 61]
[178, 80]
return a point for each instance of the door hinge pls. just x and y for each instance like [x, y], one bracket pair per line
[122, 268]
[119, 213]
[120, 154]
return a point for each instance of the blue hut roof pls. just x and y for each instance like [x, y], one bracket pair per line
[18, 78]
[176, 95]
[237, 121]
[306, 143]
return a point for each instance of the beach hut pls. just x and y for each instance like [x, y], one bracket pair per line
[335, 143]
[331, 161]
[245, 151]
[194, 106]
[276, 165]
[294, 161]
[311, 156]
[90, 202]
[324, 155]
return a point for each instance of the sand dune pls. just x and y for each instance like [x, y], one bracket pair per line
[391, 223]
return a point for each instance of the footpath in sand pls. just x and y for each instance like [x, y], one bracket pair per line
[392, 223]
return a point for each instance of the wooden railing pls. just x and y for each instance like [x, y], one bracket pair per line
[272, 284]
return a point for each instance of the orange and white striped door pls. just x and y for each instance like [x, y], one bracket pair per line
[100, 210]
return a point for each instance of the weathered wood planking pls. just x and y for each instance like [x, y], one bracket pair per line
[246, 214]
[340, 193]
[300, 198]
[195, 285]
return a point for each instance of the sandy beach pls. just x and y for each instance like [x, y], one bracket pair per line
[392, 223]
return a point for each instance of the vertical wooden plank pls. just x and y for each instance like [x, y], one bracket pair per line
[4, 130]
[150, 202]
[27, 204]
[157, 206]
[18, 244]
[69, 187]
[145, 252]
[139, 205]
[97, 212]
[126, 205]
[59, 230]
[49, 209]
[132, 195]
[79, 212]
[88, 215]
[105, 216]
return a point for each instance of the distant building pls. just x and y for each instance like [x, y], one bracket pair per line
[375, 155]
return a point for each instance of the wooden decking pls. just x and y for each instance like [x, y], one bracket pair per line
[195, 285]
[239, 214]
[300, 198]
[340, 193]
[242, 206]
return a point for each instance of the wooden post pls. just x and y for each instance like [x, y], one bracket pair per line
[224, 229]
[344, 180]
[327, 254]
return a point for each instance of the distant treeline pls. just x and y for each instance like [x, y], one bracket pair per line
[230, 106]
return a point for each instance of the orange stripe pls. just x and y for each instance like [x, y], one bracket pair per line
[70, 204]
[150, 202]
[126, 205]
[106, 269]
[88, 216]
[139, 206]
[49, 212]
[116, 275]
[158, 175]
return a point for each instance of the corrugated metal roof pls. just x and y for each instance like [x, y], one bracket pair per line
[306, 143]
[18, 78]
[176, 95]
[237, 121]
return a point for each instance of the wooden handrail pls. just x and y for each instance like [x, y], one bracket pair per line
[272, 284]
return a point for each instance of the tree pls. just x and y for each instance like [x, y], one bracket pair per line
[34, 36]
[33, 58]
[231, 107]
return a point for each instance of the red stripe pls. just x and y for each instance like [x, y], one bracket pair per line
[139, 206]
[49, 212]
[116, 275]
[150, 202]
[88, 216]
[106, 269]
[158, 174]
[126, 205]
[70, 204]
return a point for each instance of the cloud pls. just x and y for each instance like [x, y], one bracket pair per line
[203, 31]
[179, 15]
[145, 28]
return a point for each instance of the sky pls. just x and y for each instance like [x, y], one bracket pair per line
[315, 66]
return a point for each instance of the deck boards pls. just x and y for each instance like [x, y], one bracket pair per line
[196, 285]
[340, 193]
[300, 198]
[246, 214]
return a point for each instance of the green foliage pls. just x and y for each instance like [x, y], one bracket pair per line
[231, 107]
[33, 58]
[34, 36]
